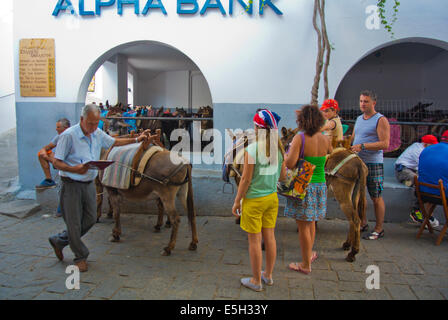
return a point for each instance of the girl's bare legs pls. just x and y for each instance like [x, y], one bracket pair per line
[307, 232]
[270, 245]
[256, 256]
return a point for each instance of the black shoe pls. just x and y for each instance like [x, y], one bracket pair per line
[57, 251]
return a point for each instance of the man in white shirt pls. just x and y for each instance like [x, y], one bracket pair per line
[76, 147]
[406, 165]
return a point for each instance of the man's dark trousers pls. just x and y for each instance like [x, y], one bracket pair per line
[78, 206]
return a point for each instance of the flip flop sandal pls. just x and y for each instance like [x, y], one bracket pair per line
[314, 257]
[298, 268]
[374, 235]
[364, 227]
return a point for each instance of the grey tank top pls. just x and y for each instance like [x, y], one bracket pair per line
[365, 132]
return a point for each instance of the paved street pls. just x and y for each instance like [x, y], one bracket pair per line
[134, 269]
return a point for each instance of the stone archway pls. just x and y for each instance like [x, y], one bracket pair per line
[150, 58]
[408, 76]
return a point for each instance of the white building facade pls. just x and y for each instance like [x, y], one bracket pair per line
[233, 59]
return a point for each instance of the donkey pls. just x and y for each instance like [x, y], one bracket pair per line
[115, 127]
[165, 180]
[151, 124]
[346, 176]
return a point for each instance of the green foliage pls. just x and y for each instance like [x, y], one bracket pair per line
[382, 14]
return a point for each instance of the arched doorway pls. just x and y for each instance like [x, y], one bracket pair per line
[149, 75]
[408, 76]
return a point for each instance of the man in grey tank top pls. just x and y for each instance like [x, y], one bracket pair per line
[370, 137]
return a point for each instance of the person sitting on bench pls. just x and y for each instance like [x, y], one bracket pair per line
[46, 155]
[433, 166]
[406, 168]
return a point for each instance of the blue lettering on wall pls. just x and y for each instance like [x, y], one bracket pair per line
[183, 6]
[264, 3]
[82, 11]
[216, 5]
[181, 10]
[63, 5]
[247, 7]
[149, 5]
[122, 2]
[100, 3]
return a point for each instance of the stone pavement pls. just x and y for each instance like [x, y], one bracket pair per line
[134, 269]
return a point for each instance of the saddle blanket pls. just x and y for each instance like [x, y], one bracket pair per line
[118, 174]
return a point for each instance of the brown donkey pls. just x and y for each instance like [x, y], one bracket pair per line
[165, 180]
[348, 184]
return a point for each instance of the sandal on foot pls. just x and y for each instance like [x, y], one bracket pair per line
[313, 257]
[267, 281]
[364, 227]
[295, 266]
[374, 235]
[246, 282]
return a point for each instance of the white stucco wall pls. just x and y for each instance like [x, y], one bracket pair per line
[200, 91]
[105, 85]
[247, 61]
[168, 89]
[244, 59]
[7, 113]
[7, 97]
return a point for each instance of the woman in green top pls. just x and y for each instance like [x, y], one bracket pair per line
[257, 191]
[314, 205]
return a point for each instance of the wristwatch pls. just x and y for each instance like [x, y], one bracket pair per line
[363, 147]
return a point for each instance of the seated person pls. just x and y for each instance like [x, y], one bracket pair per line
[433, 166]
[333, 126]
[46, 155]
[407, 163]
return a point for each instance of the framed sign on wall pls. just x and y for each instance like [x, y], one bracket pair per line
[37, 68]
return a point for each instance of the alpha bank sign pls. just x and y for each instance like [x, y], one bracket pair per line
[143, 7]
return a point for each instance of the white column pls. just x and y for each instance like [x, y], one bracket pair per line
[122, 85]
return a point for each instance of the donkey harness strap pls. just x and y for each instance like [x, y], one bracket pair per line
[339, 166]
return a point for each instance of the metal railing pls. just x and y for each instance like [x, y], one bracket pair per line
[160, 118]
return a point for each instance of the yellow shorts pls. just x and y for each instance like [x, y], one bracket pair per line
[258, 213]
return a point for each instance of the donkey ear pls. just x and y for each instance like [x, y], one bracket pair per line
[284, 131]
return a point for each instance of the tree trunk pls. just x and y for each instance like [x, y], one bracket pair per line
[327, 47]
[320, 55]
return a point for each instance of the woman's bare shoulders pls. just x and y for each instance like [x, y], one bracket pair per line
[317, 145]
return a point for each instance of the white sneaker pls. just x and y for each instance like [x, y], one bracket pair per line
[434, 222]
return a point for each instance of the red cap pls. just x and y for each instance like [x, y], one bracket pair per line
[430, 139]
[444, 136]
[330, 103]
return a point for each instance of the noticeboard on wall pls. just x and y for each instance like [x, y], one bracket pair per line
[37, 68]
